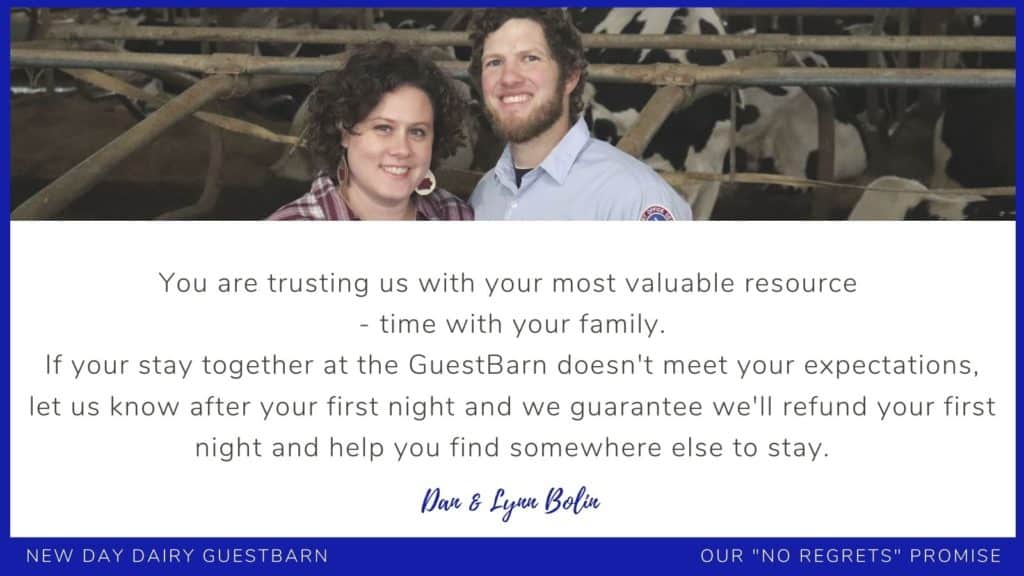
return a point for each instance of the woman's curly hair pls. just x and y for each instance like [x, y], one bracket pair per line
[562, 36]
[343, 98]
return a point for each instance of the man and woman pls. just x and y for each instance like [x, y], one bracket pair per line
[390, 115]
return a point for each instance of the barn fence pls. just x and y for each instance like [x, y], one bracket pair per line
[234, 75]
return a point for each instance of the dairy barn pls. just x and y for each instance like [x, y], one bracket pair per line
[796, 113]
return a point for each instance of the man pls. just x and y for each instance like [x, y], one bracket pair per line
[530, 69]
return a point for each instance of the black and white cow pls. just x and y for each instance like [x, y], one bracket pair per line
[854, 100]
[695, 139]
[974, 144]
[896, 198]
[975, 137]
[781, 134]
[776, 127]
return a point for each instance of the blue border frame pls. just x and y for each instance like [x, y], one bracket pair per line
[484, 555]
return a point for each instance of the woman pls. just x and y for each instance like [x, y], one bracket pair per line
[384, 121]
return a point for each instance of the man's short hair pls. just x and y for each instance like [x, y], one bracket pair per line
[562, 37]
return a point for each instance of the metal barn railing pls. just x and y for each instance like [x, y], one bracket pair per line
[679, 85]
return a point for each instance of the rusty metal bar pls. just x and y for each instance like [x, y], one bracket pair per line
[902, 61]
[702, 202]
[670, 98]
[732, 132]
[49, 201]
[171, 79]
[118, 86]
[933, 22]
[756, 61]
[366, 22]
[656, 74]
[755, 42]
[679, 179]
[211, 188]
[876, 60]
[826, 131]
[41, 21]
[204, 20]
[455, 18]
[820, 197]
[653, 115]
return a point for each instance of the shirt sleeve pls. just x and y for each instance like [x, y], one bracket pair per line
[483, 200]
[659, 196]
[637, 192]
[476, 197]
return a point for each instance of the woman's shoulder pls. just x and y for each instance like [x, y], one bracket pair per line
[320, 203]
[443, 205]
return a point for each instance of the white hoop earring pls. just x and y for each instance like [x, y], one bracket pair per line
[427, 185]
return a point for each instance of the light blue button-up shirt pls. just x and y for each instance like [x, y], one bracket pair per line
[581, 179]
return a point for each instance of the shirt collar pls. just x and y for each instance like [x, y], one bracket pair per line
[558, 161]
[504, 170]
[561, 159]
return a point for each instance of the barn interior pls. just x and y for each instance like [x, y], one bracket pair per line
[84, 80]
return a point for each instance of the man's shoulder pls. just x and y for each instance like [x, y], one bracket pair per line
[614, 158]
[488, 183]
[487, 178]
[611, 167]
[630, 188]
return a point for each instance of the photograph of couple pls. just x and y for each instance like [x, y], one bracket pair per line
[518, 114]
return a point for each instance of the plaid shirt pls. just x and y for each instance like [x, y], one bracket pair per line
[324, 202]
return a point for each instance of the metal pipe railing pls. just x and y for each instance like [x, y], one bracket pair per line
[758, 42]
[671, 98]
[655, 74]
[60, 193]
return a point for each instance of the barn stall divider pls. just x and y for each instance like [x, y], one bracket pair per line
[678, 85]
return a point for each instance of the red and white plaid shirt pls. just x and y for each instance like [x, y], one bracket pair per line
[324, 202]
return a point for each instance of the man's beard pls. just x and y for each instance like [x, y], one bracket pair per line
[533, 125]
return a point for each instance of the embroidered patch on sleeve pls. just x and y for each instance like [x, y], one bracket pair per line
[656, 212]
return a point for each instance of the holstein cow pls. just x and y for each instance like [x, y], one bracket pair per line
[776, 127]
[895, 198]
[974, 140]
[781, 131]
[974, 144]
[694, 139]
[854, 100]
